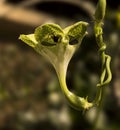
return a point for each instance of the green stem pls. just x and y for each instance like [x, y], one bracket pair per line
[106, 74]
[75, 101]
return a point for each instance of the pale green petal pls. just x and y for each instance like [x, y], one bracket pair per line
[29, 39]
[76, 32]
[47, 34]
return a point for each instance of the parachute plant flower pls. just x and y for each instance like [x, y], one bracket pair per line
[58, 46]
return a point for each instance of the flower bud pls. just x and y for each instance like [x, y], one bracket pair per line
[100, 10]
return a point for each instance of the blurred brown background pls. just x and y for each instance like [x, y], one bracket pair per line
[30, 96]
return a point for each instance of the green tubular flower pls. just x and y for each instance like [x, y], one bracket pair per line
[51, 41]
[58, 46]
